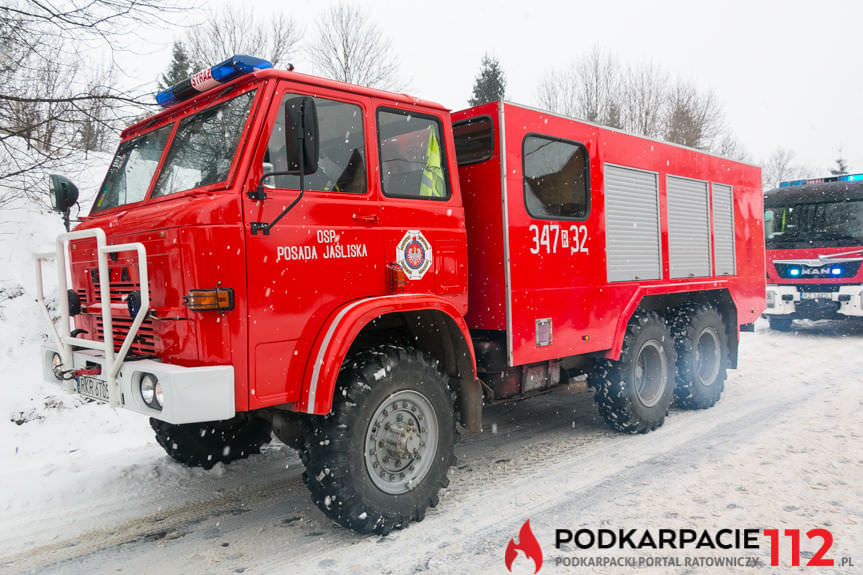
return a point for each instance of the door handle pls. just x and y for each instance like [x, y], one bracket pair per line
[366, 218]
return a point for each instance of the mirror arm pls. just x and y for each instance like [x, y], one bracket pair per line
[265, 227]
[259, 192]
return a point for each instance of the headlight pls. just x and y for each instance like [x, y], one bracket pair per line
[151, 391]
[57, 366]
[771, 298]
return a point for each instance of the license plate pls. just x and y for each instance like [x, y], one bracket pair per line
[815, 295]
[93, 388]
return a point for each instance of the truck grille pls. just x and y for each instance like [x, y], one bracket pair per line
[145, 341]
[843, 269]
[119, 291]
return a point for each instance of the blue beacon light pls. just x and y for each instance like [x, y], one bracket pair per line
[836, 271]
[221, 73]
[843, 178]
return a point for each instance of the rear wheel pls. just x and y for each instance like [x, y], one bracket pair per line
[205, 444]
[633, 394]
[779, 323]
[702, 357]
[381, 456]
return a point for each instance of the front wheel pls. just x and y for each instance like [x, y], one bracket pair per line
[205, 444]
[634, 394]
[381, 456]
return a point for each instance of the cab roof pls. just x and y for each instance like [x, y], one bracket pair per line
[181, 108]
[818, 193]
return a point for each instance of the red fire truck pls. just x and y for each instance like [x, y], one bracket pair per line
[814, 235]
[359, 271]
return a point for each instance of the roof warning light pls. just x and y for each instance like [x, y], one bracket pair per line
[842, 178]
[221, 73]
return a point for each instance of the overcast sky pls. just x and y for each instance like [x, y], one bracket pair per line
[786, 73]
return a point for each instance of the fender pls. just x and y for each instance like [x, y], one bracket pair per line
[642, 292]
[623, 321]
[341, 329]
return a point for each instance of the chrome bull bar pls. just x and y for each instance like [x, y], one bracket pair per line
[61, 333]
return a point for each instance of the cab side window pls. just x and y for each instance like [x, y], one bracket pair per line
[412, 157]
[342, 160]
[555, 178]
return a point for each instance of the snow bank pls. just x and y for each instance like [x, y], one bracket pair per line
[40, 422]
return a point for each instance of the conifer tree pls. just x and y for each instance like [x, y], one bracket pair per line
[841, 166]
[490, 84]
[179, 69]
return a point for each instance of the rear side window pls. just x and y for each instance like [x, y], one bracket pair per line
[474, 140]
[555, 178]
[413, 164]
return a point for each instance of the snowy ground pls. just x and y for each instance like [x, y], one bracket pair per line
[85, 489]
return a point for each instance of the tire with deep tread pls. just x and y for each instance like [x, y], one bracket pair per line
[340, 448]
[779, 323]
[205, 444]
[628, 401]
[700, 340]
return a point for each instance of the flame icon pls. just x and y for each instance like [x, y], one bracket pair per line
[527, 544]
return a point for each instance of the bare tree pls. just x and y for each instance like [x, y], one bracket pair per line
[242, 31]
[780, 167]
[49, 105]
[351, 48]
[730, 147]
[599, 98]
[692, 119]
[638, 99]
[559, 92]
[643, 100]
[589, 89]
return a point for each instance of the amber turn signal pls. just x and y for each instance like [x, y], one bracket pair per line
[219, 299]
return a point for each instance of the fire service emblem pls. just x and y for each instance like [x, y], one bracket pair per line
[414, 254]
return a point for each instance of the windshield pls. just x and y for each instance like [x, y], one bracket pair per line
[821, 225]
[132, 170]
[200, 154]
[203, 149]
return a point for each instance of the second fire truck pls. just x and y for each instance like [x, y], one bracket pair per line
[814, 236]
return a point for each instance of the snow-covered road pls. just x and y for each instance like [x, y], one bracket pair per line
[87, 490]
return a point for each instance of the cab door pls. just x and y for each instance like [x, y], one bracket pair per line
[320, 254]
[423, 231]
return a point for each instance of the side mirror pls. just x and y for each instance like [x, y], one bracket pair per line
[301, 135]
[64, 193]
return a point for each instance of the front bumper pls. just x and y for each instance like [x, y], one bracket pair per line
[785, 300]
[191, 394]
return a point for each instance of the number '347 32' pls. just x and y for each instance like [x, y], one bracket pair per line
[550, 238]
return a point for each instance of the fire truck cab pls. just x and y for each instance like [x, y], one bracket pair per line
[359, 272]
[814, 237]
